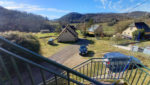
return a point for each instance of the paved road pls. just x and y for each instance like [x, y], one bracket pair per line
[123, 47]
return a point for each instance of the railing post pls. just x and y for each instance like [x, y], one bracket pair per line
[30, 73]
[144, 79]
[134, 76]
[68, 76]
[17, 70]
[56, 79]
[91, 68]
[43, 77]
[139, 77]
[5, 70]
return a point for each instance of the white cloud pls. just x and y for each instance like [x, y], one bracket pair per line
[29, 7]
[109, 5]
[104, 3]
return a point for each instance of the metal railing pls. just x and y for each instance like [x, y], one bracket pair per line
[20, 66]
[101, 70]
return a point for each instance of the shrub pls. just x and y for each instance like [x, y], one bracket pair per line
[137, 32]
[118, 37]
[24, 39]
[122, 25]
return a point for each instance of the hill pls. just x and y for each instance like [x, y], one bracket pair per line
[21, 21]
[100, 17]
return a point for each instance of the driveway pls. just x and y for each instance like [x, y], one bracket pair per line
[69, 55]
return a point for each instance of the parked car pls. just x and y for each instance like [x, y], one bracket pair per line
[51, 41]
[118, 62]
[83, 50]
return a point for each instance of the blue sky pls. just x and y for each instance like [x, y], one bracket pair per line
[56, 8]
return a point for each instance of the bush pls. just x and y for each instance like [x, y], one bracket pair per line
[118, 37]
[137, 32]
[24, 39]
[122, 25]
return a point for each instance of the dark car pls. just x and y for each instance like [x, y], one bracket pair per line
[118, 62]
[83, 50]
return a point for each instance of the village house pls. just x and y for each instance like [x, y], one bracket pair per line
[68, 34]
[128, 33]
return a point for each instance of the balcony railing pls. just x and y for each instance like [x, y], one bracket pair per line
[101, 70]
[20, 66]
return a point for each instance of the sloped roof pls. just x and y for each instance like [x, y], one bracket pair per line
[69, 29]
[140, 25]
[93, 28]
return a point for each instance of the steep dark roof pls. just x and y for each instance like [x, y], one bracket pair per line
[140, 25]
[68, 28]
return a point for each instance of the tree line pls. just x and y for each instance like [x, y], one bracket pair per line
[22, 21]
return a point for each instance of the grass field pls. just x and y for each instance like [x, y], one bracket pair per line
[144, 44]
[46, 49]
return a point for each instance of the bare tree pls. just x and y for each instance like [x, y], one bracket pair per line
[99, 32]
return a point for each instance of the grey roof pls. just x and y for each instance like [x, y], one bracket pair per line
[140, 25]
[68, 28]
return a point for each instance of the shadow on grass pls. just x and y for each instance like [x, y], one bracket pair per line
[54, 44]
[89, 54]
[80, 42]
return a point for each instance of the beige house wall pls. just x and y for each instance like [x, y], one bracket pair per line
[128, 32]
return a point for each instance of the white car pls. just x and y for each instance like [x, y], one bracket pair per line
[117, 62]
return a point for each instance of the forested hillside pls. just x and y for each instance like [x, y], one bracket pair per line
[22, 21]
[101, 17]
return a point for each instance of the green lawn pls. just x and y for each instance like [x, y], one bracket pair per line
[144, 44]
[46, 49]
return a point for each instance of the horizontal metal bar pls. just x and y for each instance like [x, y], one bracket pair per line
[142, 69]
[82, 63]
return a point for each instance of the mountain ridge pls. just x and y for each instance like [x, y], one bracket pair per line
[75, 17]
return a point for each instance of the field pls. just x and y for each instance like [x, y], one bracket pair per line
[144, 44]
[46, 49]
